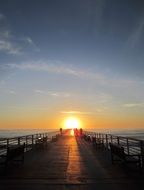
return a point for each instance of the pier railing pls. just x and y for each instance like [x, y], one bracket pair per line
[131, 146]
[29, 140]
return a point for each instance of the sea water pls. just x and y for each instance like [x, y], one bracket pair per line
[134, 133]
[23, 132]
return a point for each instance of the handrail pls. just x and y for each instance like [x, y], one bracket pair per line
[131, 145]
[29, 140]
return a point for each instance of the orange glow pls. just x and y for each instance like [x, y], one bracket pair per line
[72, 123]
[72, 132]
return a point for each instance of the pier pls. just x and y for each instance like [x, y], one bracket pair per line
[70, 162]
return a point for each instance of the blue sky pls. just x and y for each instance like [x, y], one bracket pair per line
[72, 57]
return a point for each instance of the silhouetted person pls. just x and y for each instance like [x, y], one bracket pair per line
[61, 131]
[81, 131]
[76, 132]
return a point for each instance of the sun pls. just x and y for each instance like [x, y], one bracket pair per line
[72, 123]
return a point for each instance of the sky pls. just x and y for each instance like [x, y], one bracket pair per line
[71, 58]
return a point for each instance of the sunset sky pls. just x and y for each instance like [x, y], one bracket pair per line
[71, 58]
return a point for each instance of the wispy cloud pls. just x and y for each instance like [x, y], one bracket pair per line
[134, 38]
[30, 42]
[58, 68]
[96, 111]
[103, 97]
[8, 47]
[133, 105]
[53, 93]
[13, 92]
[12, 44]
[76, 112]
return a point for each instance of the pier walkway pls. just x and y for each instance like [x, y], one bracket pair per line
[69, 164]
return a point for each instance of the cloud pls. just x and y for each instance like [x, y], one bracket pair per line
[8, 47]
[133, 105]
[134, 38]
[29, 41]
[13, 92]
[97, 111]
[103, 97]
[58, 68]
[12, 44]
[53, 93]
[5, 34]
[76, 112]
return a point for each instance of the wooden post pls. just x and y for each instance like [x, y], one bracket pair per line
[106, 141]
[26, 143]
[18, 140]
[32, 141]
[118, 140]
[111, 139]
[7, 143]
[127, 145]
[142, 152]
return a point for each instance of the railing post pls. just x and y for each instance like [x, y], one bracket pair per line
[111, 139]
[32, 141]
[118, 142]
[7, 143]
[142, 152]
[103, 138]
[127, 142]
[26, 142]
[18, 140]
[106, 141]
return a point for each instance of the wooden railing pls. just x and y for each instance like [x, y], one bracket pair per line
[29, 141]
[131, 145]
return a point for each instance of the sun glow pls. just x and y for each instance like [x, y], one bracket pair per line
[72, 123]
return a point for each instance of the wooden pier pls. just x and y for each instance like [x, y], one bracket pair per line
[70, 163]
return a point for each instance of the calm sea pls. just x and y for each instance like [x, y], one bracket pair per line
[23, 132]
[135, 133]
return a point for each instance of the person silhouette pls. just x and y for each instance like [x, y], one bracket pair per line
[61, 131]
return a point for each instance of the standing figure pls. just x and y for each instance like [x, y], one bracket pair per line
[61, 131]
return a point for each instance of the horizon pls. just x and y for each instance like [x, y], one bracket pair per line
[81, 59]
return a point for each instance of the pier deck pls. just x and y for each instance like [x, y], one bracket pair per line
[69, 163]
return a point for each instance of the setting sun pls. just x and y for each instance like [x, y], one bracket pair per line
[72, 123]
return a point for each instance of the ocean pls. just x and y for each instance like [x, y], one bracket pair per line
[23, 132]
[134, 133]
